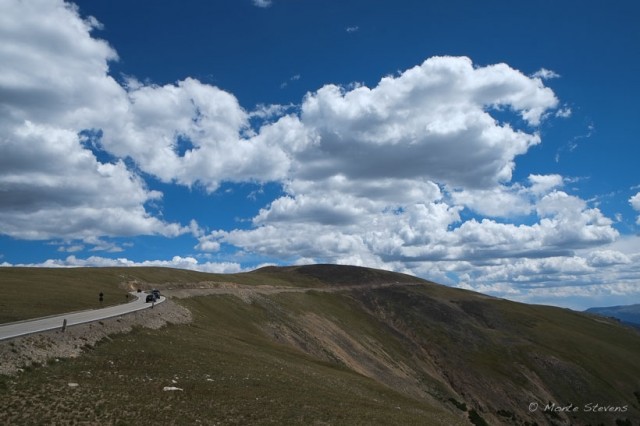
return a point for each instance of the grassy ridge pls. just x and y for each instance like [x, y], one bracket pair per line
[336, 275]
[35, 292]
[424, 354]
[27, 293]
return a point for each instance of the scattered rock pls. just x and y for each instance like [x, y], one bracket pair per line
[73, 385]
[171, 388]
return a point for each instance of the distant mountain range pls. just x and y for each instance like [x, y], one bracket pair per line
[629, 314]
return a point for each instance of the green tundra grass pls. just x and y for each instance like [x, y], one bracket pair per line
[230, 373]
[402, 354]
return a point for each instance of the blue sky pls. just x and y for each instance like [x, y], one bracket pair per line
[485, 145]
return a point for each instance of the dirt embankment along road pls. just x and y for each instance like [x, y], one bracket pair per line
[39, 348]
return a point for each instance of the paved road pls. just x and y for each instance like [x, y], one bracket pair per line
[15, 329]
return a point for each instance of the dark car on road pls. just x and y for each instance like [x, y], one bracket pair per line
[156, 293]
[150, 298]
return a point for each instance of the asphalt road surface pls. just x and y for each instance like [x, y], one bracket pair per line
[15, 329]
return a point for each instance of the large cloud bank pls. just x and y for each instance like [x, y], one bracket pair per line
[413, 174]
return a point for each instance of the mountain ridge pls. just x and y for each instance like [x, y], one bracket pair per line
[629, 314]
[471, 358]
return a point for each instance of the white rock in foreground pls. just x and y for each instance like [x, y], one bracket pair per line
[171, 388]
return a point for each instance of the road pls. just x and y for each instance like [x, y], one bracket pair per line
[15, 329]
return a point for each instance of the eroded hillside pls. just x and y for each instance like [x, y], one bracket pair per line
[490, 358]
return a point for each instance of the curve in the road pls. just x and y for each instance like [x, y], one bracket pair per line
[22, 328]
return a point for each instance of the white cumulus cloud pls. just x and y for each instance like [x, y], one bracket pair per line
[54, 83]
[178, 262]
[635, 203]
[210, 124]
[262, 3]
[545, 74]
[431, 121]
